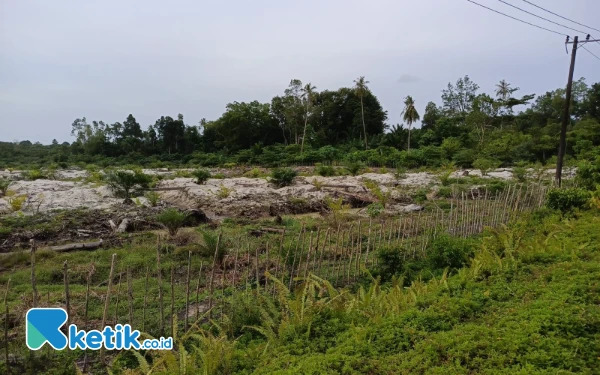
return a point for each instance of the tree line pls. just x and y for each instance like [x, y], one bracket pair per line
[304, 125]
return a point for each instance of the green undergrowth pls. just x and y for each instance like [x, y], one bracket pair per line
[526, 302]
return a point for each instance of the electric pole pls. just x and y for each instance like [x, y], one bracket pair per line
[566, 116]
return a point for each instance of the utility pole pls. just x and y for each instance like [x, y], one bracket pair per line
[566, 116]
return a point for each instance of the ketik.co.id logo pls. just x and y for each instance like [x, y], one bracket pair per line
[44, 324]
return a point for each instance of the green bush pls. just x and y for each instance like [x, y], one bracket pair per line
[375, 209]
[209, 246]
[445, 192]
[283, 176]
[325, 170]
[496, 186]
[126, 183]
[485, 165]
[34, 174]
[172, 219]
[4, 184]
[566, 200]
[420, 195]
[520, 174]
[446, 251]
[153, 198]
[354, 168]
[588, 174]
[201, 175]
[464, 158]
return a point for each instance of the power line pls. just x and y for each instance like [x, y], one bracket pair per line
[590, 52]
[558, 15]
[545, 19]
[517, 19]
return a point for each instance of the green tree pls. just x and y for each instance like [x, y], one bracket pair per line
[308, 92]
[362, 90]
[410, 115]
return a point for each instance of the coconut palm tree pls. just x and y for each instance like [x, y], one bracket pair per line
[410, 115]
[361, 90]
[503, 90]
[308, 92]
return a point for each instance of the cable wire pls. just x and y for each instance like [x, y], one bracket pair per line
[590, 52]
[517, 19]
[558, 15]
[545, 19]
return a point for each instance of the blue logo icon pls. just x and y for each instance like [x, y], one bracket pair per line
[43, 326]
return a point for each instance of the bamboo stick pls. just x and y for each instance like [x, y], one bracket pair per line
[212, 278]
[107, 301]
[33, 280]
[160, 292]
[145, 300]
[118, 294]
[67, 295]
[187, 291]
[8, 370]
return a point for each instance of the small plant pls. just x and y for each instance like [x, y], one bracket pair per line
[209, 246]
[336, 206]
[153, 198]
[201, 175]
[219, 176]
[420, 196]
[16, 202]
[223, 192]
[566, 200]
[4, 184]
[445, 178]
[374, 210]
[354, 168]
[588, 174]
[444, 192]
[172, 219]
[485, 165]
[446, 251]
[382, 196]
[254, 173]
[318, 184]
[383, 170]
[520, 174]
[283, 177]
[34, 174]
[325, 170]
[127, 183]
[400, 172]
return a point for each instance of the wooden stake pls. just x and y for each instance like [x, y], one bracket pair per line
[198, 292]
[187, 292]
[67, 296]
[160, 293]
[173, 328]
[33, 280]
[129, 296]
[145, 300]
[212, 278]
[107, 301]
[118, 294]
[8, 371]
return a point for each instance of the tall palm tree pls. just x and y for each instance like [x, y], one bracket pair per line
[361, 90]
[308, 92]
[410, 115]
[503, 90]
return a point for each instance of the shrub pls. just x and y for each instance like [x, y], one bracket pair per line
[153, 198]
[325, 170]
[391, 262]
[209, 246]
[336, 206]
[34, 174]
[382, 196]
[317, 184]
[447, 251]
[375, 209]
[445, 192]
[445, 178]
[400, 172]
[354, 168]
[520, 174]
[16, 202]
[588, 174]
[420, 196]
[283, 176]
[201, 175]
[566, 200]
[485, 165]
[223, 192]
[172, 219]
[254, 173]
[4, 184]
[496, 186]
[127, 183]
[464, 158]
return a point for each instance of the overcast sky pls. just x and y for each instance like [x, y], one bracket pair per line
[60, 59]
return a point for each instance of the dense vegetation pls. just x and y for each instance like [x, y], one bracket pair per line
[303, 125]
